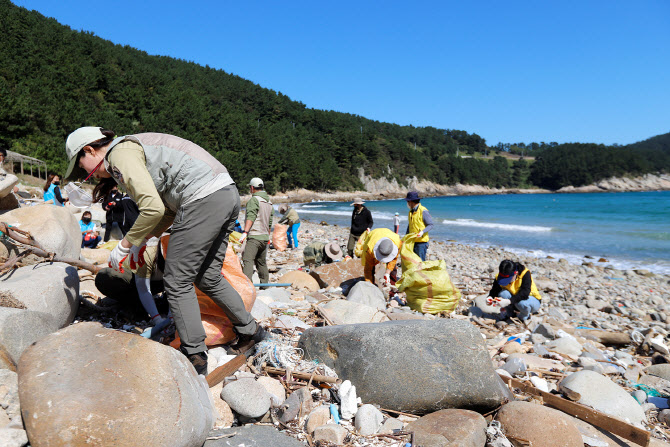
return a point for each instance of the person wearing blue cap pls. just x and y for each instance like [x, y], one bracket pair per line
[515, 283]
[419, 222]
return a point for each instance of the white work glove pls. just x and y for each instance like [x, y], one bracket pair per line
[387, 279]
[116, 258]
[419, 235]
[242, 238]
[137, 256]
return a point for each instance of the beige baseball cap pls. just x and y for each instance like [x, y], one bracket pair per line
[75, 143]
[256, 182]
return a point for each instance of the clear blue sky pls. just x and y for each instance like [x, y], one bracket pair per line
[588, 71]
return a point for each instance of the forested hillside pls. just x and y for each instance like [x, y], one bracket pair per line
[54, 80]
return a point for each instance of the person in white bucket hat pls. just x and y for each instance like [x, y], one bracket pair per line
[175, 183]
[380, 246]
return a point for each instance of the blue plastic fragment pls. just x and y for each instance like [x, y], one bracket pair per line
[335, 413]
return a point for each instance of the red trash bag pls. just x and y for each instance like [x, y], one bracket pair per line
[279, 238]
[218, 328]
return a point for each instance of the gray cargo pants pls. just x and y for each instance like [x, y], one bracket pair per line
[255, 253]
[195, 254]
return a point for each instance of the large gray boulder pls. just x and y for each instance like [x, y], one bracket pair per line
[367, 293]
[54, 227]
[20, 328]
[86, 383]
[597, 391]
[49, 288]
[7, 184]
[416, 366]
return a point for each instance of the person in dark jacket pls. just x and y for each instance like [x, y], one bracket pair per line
[112, 205]
[361, 220]
[515, 283]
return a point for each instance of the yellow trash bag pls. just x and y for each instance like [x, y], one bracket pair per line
[358, 249]
[109, 245]
[426, 283]
[234, 241]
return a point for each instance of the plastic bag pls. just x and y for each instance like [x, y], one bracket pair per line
[427, 284]
[358, 249]
[78, 196]
[218, 328]
[279, 238]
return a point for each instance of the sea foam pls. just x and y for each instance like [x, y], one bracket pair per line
[497, 226]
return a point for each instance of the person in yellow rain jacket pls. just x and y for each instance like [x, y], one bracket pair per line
[380, 246]
[419, 222]
[515, 283]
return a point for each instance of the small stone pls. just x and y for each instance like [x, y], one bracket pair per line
[299, 402]
[664, 417]
[331, 433]
[368, 420]
[247, 397]
[565, 346]
[318, 417]
[225, 416]
[640, 396]
[463, 428]
[261, 310]
[274, 387]
[300, 280]
[391, 424]
[367, 293]
[512, 347]
[545, 330]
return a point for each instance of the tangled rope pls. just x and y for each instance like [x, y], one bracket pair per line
[275, 353]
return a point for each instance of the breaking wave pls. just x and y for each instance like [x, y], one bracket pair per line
[497, 226]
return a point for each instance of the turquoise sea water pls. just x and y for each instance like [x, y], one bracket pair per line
[631, 230]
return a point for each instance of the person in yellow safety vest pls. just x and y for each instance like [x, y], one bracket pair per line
[515, 283]
[420, 222]
[380, 246]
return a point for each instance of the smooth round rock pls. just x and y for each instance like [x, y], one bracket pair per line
[300, 280]
[86, 383]
[54, 227]
[247, 398]
[368, 420]
[539, 424]
[364, 292]
[597, 391]
[449, 427]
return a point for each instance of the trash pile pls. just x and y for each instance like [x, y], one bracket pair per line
[348, 363]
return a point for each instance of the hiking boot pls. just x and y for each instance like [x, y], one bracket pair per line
[198, 360]
[246, 342]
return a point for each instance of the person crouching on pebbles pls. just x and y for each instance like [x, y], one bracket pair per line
[174, 182]
[515, 283]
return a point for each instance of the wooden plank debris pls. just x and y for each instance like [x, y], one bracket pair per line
[587, 414]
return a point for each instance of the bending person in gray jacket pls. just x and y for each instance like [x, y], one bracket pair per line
[174, 182]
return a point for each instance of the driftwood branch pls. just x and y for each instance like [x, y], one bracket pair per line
[35, 248]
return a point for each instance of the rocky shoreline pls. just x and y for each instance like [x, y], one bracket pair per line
[382, 189]
[345, 365]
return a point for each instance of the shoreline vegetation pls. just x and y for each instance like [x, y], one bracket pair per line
[382, 189]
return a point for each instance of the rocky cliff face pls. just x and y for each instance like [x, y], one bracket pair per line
[428, 188]
[648, 182]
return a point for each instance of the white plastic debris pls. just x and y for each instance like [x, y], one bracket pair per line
[658, 344]
[348, 400]
[540, 383]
